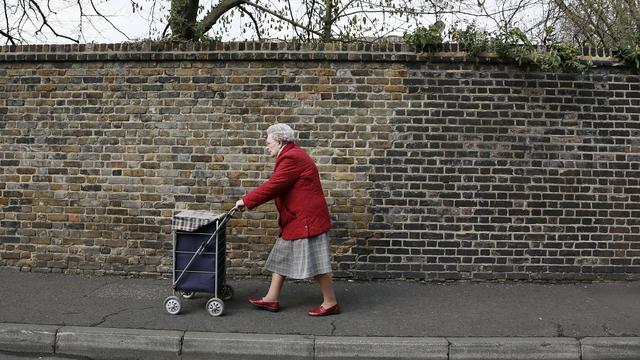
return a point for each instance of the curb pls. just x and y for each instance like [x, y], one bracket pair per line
[349, 347]
[206, 346]
[514, 348]
[28, 338]
[109, 343]
[603, 348]
[114, 343]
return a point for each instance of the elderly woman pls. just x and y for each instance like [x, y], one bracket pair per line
[302, 248]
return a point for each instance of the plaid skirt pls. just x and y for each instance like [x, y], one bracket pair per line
[302, 258]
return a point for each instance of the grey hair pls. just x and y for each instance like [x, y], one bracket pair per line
[281, 132]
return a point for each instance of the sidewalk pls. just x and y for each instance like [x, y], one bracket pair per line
[120, 318]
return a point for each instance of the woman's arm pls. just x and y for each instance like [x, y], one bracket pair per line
[283, 177]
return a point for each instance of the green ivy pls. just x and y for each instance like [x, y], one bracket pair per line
[472, 39]
[423, 37]
[630, 53]
[569, 56]
[512, 44]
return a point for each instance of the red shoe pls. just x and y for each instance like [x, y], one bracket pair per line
[321, 311]
[267, 305]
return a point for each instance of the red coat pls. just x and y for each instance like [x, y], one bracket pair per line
[295, 186]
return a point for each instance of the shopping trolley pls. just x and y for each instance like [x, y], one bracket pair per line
[199, 254]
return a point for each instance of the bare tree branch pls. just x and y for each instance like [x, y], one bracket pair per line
[293, 17]
[226, 5]
[46, 23]
[217, 12]
[255, 23]
[344, 8]
[81, 18]
[550, 19]
[164, 32]
[598, 22]
[6, 14]
[598, 12]
[107, 20]
[515, 11]
[9, 37]
[583, 23]
[152, 16]
[383, 11]
[310, 15]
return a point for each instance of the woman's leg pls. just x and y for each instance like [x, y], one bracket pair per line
[277, 281]
[328, 294]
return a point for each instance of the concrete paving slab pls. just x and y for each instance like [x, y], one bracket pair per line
[350, 347]
[378, 309]
[503, 348]
[115, 344]
[206, 346]
[607, 348]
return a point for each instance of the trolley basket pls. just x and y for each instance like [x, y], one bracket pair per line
[199, 254]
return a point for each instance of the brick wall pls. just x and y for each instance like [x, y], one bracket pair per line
[435, 166]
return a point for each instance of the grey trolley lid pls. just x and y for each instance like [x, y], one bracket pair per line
[191, 220]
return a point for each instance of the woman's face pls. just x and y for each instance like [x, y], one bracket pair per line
[273, 146]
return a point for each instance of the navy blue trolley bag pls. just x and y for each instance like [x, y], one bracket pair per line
[199, 253]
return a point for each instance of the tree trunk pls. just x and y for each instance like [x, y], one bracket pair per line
[327, 21]
[183, 19]
[184, 24]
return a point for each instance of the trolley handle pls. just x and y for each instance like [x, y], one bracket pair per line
[222, 223]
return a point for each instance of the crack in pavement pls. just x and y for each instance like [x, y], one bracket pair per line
[333, 327]
[104, 318]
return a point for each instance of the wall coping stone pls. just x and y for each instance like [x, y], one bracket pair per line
[262, 51]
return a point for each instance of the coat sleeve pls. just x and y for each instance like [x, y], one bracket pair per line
[283, 177]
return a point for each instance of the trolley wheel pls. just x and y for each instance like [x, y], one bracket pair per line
[215, 307]
[226, 293]
[173, 305]
[187, 294]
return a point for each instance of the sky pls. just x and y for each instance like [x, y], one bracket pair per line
[65, 19]
[148, 21]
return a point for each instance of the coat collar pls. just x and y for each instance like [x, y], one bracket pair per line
[286, 148]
